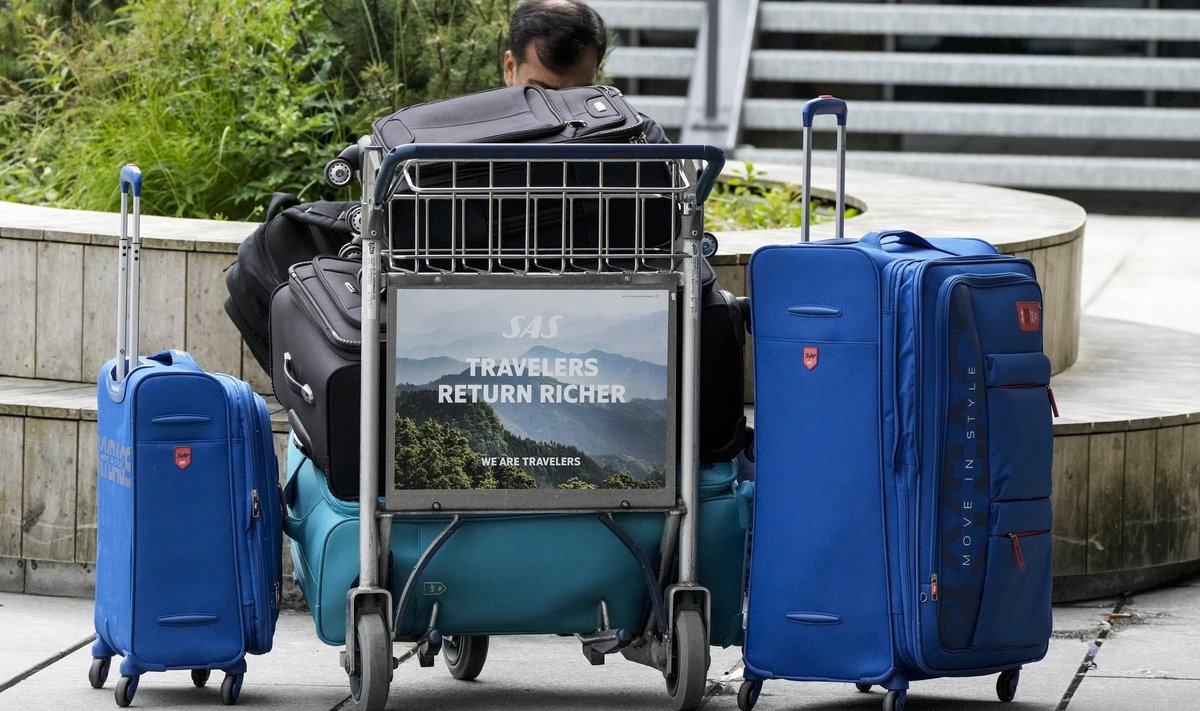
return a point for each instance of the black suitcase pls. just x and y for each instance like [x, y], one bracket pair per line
[315, 355]
[292, 232]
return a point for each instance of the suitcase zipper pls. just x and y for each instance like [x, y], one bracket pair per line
[1016, 537]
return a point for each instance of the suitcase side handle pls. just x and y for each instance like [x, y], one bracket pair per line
[298, 387]
[911, 239]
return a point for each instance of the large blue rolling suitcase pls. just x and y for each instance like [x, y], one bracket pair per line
[189, 541]
[903, 420]
[546, 572]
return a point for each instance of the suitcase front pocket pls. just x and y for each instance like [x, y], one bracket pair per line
[1020, 438]
[1014, 610]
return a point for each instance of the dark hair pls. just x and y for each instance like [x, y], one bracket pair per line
[559, 30]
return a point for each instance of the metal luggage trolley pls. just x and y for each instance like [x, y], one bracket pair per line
[486, 224]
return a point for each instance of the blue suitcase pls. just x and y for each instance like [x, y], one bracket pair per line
[547, 573]
[189, 531]
[903, 422]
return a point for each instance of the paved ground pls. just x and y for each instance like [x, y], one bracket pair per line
[1146, 646]
[1147, 661]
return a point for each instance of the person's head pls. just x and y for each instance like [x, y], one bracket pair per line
[555, 44]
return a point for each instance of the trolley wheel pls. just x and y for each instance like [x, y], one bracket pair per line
[894, 701]
[748, 694]
[369, 687]
[863, 688]
[98, 672]
[200, 677]
[231, 689]
[126, 687]
[465, 655]
[1006, 684]
[689, 650]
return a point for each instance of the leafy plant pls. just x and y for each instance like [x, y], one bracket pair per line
[221, 102]
[746, 201]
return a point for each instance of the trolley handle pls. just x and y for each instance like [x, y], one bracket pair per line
[713, 157]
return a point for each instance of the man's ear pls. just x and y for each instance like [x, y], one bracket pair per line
[510, 68]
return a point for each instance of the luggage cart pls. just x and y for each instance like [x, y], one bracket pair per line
[412, 197]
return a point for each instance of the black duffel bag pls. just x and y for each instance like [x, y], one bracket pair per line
[292, 232]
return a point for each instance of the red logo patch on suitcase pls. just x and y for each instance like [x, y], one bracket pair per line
[183, 457]
[810, 357]
[1029, 316]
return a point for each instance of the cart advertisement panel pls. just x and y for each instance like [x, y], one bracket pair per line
[533, 398]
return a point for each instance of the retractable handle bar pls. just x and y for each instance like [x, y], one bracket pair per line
[823, 105]
[129, 271]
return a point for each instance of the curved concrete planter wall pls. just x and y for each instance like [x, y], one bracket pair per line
[1127, 507]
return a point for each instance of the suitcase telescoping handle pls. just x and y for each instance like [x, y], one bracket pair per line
[128, 271]
[713, 157]
[824, 104]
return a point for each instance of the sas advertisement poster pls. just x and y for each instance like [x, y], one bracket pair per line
[532, 388]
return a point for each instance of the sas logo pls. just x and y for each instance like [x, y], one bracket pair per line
[810, 357]
[536, 327]
[1029, 316]
[183, 457]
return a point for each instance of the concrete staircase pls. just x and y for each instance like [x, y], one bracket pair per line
[1085, 96]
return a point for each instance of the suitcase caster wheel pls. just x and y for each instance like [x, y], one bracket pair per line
[465, 655]
[894, 701]
[748, 694]
[126, 686]
[1006, 684]
[863, 688]
[200, 677]
[98, 672]
[231, 688]
[338, 173]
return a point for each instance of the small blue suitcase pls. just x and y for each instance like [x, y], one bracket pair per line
[903, 422]
[189, 531]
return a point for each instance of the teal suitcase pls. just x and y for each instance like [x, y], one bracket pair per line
[508, 574]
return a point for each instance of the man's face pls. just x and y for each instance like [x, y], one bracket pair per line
[530, 70]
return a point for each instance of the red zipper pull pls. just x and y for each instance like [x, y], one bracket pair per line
[1016, 543]
[1053, 404]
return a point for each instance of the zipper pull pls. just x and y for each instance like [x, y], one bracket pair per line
[933, 587]
[255, 504]
[1053, 404]
[1016, 544]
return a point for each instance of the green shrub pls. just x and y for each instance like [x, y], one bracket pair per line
[221, 102]
[745, 201]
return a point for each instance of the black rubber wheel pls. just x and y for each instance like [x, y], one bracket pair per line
[98, 672]
[748, 694]
[126, 687]
[200, 676]
[1006, 684]
[689, 649]
[231, 689]
[465, 655]
[369, 688]
[863, 688]
[894, 701]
